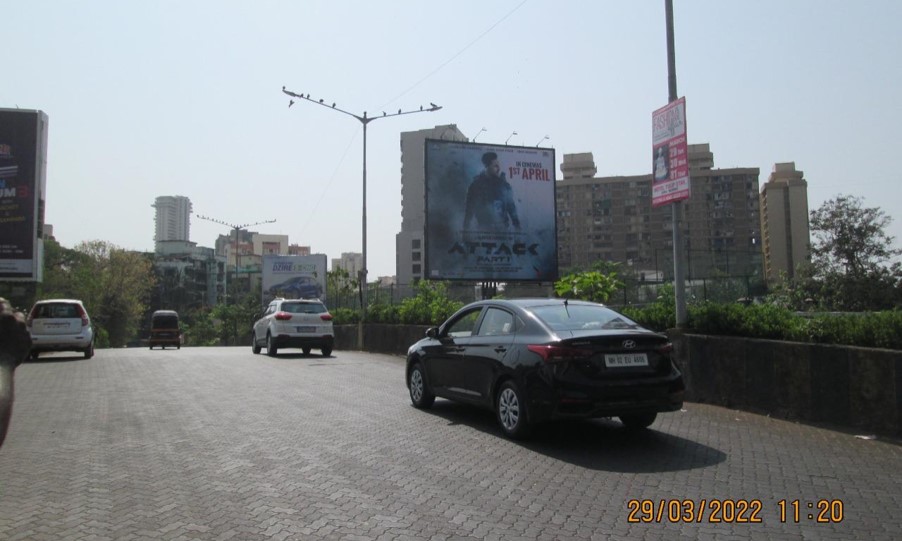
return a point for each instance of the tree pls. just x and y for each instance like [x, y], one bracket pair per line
[113, 283]
[340, 286]
[590, 285]
[851, 258]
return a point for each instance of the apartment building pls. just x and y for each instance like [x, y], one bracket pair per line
[784, 221]
[612, 219]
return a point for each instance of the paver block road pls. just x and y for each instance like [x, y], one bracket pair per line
[218, 444]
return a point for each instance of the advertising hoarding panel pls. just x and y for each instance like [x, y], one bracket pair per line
[670, 158]
[294, 277]
[23, 143]
[490, 212]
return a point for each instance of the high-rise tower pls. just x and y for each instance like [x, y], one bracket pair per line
[173, 219]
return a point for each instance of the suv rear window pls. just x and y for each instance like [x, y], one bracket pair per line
[303, 307]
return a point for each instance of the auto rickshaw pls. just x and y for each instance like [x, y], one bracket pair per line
[165, 330]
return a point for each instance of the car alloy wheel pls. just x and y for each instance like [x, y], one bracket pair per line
[420, 395]
[511, 411]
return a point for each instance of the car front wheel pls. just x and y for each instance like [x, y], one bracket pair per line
[255, 347]
[510, 409]
[420, 395]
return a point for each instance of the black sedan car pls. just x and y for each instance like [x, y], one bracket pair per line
[537, 360]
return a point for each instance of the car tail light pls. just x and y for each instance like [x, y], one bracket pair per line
[326, 317]
[84, 316]
[665, 349]
[282, 316]
[31, 315]
[556, 354]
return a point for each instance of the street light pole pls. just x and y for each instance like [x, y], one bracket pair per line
[363, 119]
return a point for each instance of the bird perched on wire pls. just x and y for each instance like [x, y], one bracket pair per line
[290, 103]
[320, 100]
[432, 104]
[333, 105]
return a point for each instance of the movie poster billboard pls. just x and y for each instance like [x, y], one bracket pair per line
[294, 277]
[670, 160]
[490, 212]
[23, 143]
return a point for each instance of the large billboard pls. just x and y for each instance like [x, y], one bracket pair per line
[23, 164]
[490, 212]
[670, 160]
[294, 277]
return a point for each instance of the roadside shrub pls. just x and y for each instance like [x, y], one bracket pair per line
[344, 316]
[430, 306]
[384, 313]
[877, 329]
[753, 321]
[657, 316]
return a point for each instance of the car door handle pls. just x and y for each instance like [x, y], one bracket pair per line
[500, 349]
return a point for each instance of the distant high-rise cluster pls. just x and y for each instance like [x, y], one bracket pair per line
[173, 219]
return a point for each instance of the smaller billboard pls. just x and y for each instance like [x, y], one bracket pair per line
[294, 277]
[670, 158]
[490, 212]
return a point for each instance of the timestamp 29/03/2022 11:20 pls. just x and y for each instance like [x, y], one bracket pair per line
[738, 511]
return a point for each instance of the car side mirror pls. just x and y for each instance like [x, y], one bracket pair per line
[432, 332]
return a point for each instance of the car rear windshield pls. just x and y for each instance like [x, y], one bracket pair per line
[561, 317]
[56, 310]
[303, 308]
[165, 322]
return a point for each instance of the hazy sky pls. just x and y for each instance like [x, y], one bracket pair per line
[184, 98]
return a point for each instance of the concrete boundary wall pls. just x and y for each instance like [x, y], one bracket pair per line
[850, 387]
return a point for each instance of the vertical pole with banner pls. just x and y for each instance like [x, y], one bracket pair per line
[679, 282]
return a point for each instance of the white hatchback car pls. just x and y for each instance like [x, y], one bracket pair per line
[60, 325]
[294, 323]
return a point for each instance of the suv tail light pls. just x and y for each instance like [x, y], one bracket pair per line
[282, 316]
[326, 317]
[84, 316]
[31, 315]
[554, 354]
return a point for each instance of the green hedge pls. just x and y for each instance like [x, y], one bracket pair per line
[875, 329]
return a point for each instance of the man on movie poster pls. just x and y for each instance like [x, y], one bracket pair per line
[489, 212]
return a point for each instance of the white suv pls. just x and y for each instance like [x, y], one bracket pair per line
[60, 325]
[294, 323]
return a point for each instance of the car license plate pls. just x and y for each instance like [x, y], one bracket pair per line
[306, 329]
[617, 360]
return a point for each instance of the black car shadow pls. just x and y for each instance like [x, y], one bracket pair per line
[596, 444]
